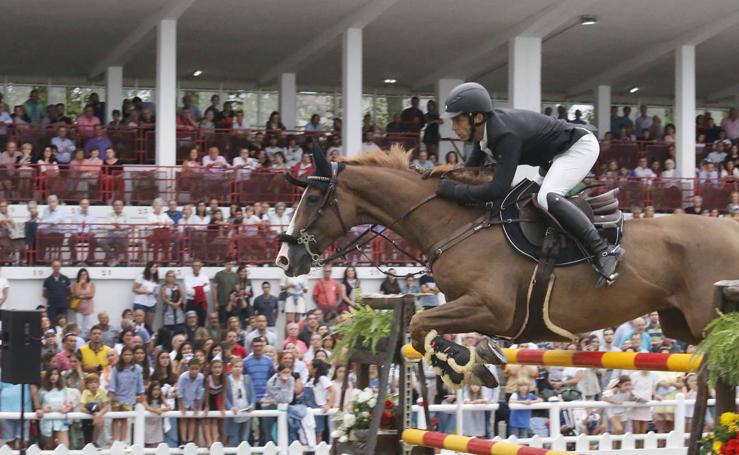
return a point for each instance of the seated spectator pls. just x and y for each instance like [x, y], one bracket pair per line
[733, 206]
[273, 148]
[305, 167]
[244, 164]
[422, 162]
[161, 235]
[314, 125]
[20, 118]
[239, 123]
[669, 171]
[117, 120]
[192, 162]
[114, 240]
[227, 116]
[279, 220]
[278, 162]
[64, 145]
[100, 141]
[94, 352]
[708, 173]
[669, 133]
[83, 232]
[292, 338]
[293, 151]
[274, 125]
[263, 161]
[48, 165]
[729, 170]
[643, 171]
[214, 163]
[173, 213]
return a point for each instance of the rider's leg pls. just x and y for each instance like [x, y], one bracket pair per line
[567, 170]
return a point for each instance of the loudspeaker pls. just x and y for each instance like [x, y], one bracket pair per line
[21, 347]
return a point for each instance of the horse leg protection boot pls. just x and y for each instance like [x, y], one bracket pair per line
[574, 221]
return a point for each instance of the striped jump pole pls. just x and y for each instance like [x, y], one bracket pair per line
[467, 444]
[686, 363]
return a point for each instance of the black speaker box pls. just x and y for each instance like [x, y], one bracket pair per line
[21, 347]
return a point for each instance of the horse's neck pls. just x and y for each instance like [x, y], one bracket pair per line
[385, 196]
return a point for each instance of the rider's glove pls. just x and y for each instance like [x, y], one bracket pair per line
[449, 189]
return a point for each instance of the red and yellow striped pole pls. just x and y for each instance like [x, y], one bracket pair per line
[467, 444]
[686, 363]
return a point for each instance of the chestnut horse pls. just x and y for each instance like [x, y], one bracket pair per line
[671, 263]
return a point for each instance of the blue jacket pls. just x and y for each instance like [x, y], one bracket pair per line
[230, 428]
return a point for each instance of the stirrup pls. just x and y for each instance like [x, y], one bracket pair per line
[603, 279]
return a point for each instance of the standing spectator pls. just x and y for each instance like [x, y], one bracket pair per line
[327, 294]
[99, 141]
[53, 397]
[428, 285]
[94, 352]
[390, 285]
[51, 224]
[56, 292]
[34, 107]
[84, 223]
[431, 133]
[125, 390]
[620, 392]
[578, 118]
[197, 288]
[64, 146]
[279, 389]
[351, 286]
[94, 400]
[654, 331]
[239, 397]
[731, 125]
[261, 331]
[396, 126]
[174, 303]
[520, 420]
[474, 422]
[155, 403]
[266, 304]
[409, 286]
[84, 289]
[145, 288]
[110, 334]
[323, 394]
[69, 347]
[215, 389]
[294, 288]
[98, 106]
[645, 384]
[116, 237]
[223, 283]
[10, 401]
[87, 122]
[310, 326]
[5, 121]
[412, 117]
[231, 341]
[644, 121]
[260, 368]
[190, 391]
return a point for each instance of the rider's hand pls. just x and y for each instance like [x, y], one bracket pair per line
[449, 189]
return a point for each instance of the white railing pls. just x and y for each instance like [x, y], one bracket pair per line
[674, 441]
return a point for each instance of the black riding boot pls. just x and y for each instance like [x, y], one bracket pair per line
[574, 221]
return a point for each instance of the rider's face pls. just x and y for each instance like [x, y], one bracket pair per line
[461, 127]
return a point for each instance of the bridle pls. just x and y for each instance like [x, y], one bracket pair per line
[329, 200]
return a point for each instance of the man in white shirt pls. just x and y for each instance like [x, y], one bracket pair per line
[644, 121]
[83, 233]
[244, 164]
[64, 146]
[273, 148]
[50, 231]
[280, 219]
[261, 330]
[214, 162]
[731, 125]
[116, 237]
[197, 289]
[643, 171]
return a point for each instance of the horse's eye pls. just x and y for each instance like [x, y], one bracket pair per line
[313, 199]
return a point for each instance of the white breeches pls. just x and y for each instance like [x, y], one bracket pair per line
[569, 168]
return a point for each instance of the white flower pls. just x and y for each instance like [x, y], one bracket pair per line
[372, 402]
[355, 394]
[364, 396]
[337, 434]
[343, 438]
[349, 420]
[365, 414]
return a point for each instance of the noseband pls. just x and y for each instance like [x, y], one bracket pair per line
[308, 241]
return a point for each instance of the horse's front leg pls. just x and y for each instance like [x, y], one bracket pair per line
[454, 363]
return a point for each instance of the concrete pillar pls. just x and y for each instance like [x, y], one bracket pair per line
[684, 112]
[113, 90]
[443, 87]
[603, 109]
[351, 73]
[524, 73]
[166, 93]
[288, 100]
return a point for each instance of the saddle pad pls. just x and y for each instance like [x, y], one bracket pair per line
[569, 253]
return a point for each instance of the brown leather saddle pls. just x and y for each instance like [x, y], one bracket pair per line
[525, 225]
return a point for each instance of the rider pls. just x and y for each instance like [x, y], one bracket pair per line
[564, 152]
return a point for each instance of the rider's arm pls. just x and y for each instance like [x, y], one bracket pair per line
[476, 158]
[508, 155]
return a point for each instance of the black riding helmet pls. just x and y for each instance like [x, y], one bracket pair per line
[468, 98]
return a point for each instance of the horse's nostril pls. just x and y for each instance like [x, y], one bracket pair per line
[283, 262]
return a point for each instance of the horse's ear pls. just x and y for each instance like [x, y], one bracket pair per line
[323, 168]
[295, 181]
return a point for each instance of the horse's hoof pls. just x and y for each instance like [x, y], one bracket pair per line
[480, 375]
[490, 353]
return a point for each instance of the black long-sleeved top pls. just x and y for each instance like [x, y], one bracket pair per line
[517, 137]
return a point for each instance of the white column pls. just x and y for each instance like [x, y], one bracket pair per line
[684, 114]
[524, 73]
[603, 109]
[351, 82]
[113, 90]
[443, 87]
[166, 93]
[288, 100]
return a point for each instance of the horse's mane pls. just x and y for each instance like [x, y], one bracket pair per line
[400, 158]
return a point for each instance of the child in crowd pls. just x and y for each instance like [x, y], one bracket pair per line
[53, 397]
[189, 398]
[125, 390]
[215, 388]
[94, 401]
[474, 421]
[155, 402]
[619, 393]
[519, 421]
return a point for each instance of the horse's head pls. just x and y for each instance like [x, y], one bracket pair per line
[317, 221]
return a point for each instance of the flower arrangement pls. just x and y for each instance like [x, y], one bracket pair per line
[347, 424]
[362, 327]
[724, 439]
[721, 343]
